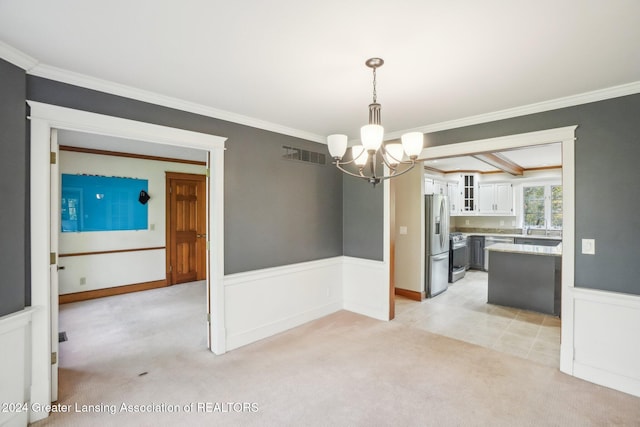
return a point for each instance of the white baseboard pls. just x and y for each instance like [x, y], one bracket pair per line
[365, 287]
[262, 303]
[15, 367]
[606, 346]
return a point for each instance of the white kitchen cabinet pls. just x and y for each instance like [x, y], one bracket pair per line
[453, 191]
[469, 194]
[495, 199]
[434, 186]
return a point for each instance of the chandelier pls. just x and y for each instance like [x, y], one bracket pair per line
[372, 151]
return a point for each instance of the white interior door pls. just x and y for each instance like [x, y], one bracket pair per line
[53, 237]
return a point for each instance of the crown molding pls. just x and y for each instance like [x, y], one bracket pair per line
[33, 67]
[16, 57]
[539, 107]
[82, 80]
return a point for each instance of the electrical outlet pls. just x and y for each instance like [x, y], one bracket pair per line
[403, 229]
[589, 246]
[466, 222]
[501, 222]
[83, 281]
[513, 223]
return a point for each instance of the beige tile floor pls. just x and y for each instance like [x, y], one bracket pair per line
[462, 312]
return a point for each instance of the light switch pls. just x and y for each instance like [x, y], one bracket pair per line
[403, 229]
[589, 246]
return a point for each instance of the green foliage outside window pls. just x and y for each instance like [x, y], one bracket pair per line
[556, 206]
[534, 207]
[543, 206]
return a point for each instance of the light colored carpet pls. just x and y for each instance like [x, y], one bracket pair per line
[342, 370]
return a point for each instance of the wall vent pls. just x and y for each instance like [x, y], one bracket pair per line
[298, 154]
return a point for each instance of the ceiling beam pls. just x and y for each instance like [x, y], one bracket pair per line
[501, 163]
[432, 169]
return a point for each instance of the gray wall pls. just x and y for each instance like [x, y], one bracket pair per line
[277, 212]
[362, 219]
[13, 189]
[607, 203]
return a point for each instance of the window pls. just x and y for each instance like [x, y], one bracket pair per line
[556, 206]
[542, 206]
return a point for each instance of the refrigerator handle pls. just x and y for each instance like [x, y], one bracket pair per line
[444, 223]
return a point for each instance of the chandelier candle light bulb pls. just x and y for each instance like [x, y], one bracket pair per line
[372, 137]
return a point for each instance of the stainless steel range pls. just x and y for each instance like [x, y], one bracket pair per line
[457, 256]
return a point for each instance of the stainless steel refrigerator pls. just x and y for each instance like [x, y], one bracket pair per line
[436, 209]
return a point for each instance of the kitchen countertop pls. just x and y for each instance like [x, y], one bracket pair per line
[533, 236]
[527, 249]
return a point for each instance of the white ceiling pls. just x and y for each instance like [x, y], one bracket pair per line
[300, 64]
[539, 156]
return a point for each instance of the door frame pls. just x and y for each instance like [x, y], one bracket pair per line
[169, 246]
[566, 136]
[44, 118]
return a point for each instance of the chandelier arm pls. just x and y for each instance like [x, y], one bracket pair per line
[351, 173]
[393, 168]
[394, 175]
[339, 162]
[385, 153]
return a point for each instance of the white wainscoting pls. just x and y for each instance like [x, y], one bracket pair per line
[15, 367]
[109, 270]
[265, 302]
[606, 340]
[365, 287]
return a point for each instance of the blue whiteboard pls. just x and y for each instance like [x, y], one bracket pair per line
[101, 203]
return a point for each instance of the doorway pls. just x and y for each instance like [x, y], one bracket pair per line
[44, 118]
[186, 233]
[566, 136]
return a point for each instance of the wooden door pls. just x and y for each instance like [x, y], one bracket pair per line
[186, 228]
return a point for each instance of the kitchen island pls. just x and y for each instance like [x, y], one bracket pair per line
[526, 277]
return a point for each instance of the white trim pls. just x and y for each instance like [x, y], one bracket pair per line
[365, 286]
[539, 107]
[35, 68]
[58, 74]
[15, 367]
[16, 57]
[568, 255]
[605, 342]
[84, 121]
[501, 143]
[296, 294]
[271, 272]
[77, 79]
[45, 117]
[565, 135]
